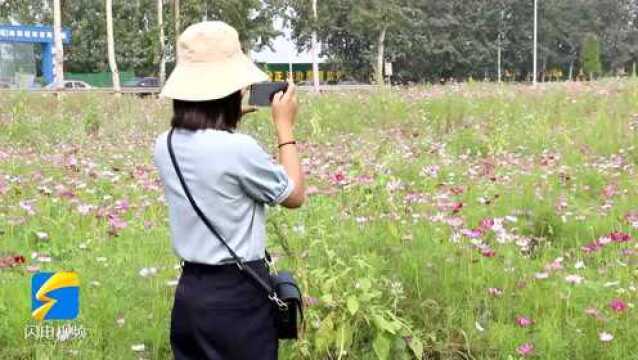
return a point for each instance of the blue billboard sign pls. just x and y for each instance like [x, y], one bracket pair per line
[36, 34]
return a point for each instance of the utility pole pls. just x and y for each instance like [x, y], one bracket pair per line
[177, 26]
[57, 46]
[500, 33]
[315, 64]
[535, 40]
[162, 58]
[111, 46]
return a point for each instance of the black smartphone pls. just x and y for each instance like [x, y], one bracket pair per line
[261, 94]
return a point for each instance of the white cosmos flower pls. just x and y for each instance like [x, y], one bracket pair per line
[605, 336]
[541, 275]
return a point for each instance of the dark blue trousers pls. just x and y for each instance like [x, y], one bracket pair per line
[220, 314]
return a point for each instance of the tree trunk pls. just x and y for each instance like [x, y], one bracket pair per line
[177, 26]
[633, 69]
[315, 64]
[571, 70]
[111, 46]
[499, 59]
[380, 50]
[58, 70]
[162, 58]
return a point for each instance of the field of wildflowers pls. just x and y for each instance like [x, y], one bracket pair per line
[467, 222]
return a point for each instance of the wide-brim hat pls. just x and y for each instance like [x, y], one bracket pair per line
[210, 64]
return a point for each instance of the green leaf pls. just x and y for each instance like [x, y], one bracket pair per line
[394, 231]
[385, 325]
[416, 346]
[343, 336]
[326, 299]
[353, 305]
[365, 284]
[381, 346]
[325, 335]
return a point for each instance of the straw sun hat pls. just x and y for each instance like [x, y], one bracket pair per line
[211, 64]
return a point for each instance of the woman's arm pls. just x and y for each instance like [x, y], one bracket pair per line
[284, 112]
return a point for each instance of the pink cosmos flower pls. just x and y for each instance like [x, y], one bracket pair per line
[488, 252]
[72, 163]
[364, 179]
[84, 208]
[430, 171]
[338, 178]
[472, 234]
[592, 311]
[592, 247]
[495, 291]
[619, 237]
[574, 279]
[618, 305]
[604, 240]
[456, 207]
[486, 224]
[454, 221]
[11, 261]
[526, 349]
[62, 192]
[595, 313]
[609, 191]
[555, 265]
[116, 224]
[121, 205]
[3, 187]
[28, 206]
[524, 321]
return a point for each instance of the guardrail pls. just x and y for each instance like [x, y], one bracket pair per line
[340, 87]
[126, 90]
[155, 91]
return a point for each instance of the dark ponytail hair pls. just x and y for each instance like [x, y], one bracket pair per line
[219, 114]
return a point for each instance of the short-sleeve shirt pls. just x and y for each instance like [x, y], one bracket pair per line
[231, 178]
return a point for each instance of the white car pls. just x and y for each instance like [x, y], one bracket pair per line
[73, 85]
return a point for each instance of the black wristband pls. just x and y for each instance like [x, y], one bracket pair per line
[287, 143]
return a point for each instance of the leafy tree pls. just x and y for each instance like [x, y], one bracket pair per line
[136, 32]
[591, 56]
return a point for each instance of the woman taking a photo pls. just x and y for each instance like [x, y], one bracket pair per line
[218, 312]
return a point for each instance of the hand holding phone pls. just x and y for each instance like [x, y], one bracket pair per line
[284, 110]
[261, 94]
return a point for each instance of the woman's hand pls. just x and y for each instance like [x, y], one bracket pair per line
[284, 112]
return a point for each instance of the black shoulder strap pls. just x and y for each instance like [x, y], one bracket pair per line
[246, 269]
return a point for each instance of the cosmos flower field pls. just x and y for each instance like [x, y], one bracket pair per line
[463, 222]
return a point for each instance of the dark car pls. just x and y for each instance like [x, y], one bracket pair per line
[150, 83]
[146, 82]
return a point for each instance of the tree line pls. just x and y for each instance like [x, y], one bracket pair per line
[426, 40]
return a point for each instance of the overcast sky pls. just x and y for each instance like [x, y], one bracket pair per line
[284, 49]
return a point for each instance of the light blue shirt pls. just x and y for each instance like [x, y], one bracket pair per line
[231, 178]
